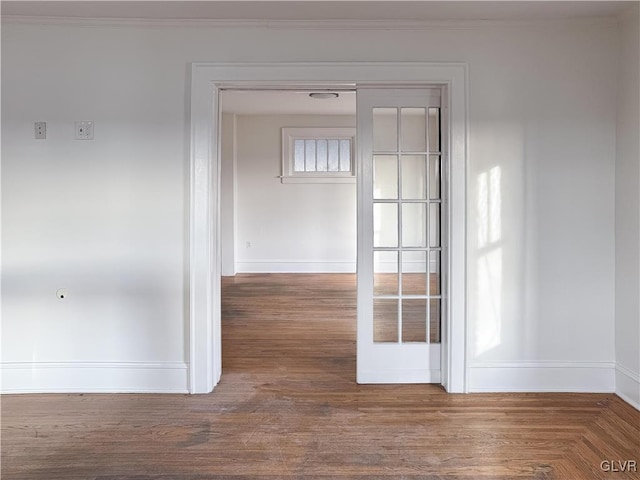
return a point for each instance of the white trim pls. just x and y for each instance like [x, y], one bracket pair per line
[94, 377]
[204, 256]
[541, 376]
[378, 369]
[454, 113]
[548, 24]
[628, 385]
[400, 376]
[204, 323]
[295, 266]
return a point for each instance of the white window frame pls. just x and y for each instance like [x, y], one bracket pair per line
[291, 134]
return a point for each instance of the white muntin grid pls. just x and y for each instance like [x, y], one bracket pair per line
[429, 202]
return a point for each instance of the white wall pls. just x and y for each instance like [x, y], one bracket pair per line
[293, 227]
[627, 308]
[228, 194]
[103, 218]
[106, 219]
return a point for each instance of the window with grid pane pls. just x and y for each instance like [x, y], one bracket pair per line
[318, 155]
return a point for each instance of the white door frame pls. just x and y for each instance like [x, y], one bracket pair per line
[205, 339]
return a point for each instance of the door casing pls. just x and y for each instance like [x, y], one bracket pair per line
[204, 325]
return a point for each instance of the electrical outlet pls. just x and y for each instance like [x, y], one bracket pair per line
[84, 130]
[248, 244]
[40, 130]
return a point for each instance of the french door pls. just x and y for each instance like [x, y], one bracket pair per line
[400, 240]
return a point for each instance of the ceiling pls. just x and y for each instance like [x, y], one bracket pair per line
[286, 103]
[318, 10]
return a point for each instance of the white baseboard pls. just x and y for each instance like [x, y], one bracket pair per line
[628, 386]
[94, 377]
[398, 376]
[586, 377]
[291, 266]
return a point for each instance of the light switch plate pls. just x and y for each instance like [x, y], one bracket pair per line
[84, 130]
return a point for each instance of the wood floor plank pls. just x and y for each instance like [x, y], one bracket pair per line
[288, 407]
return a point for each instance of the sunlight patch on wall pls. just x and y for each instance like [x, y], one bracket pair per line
[489, 206]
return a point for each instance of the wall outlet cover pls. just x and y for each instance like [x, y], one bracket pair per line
[40, 130]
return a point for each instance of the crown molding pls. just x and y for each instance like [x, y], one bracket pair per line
[308, 24]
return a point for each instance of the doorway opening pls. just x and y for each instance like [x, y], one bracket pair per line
[288, 231]
[288, 205]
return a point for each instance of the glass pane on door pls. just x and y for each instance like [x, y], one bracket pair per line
[434, 273]
[434, 320]
[414, 320]
[414, 219]
[434, 130]
[385, 129]
[414, 129]
[434, 177]
[414, 177]
[385, 177]
[385, 320]
[385, 273]
[414, 273]
[434, 225]
[385, 225]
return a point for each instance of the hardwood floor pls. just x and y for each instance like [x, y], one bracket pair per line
[288, 407]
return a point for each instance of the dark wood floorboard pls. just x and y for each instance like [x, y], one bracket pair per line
[288, 407]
